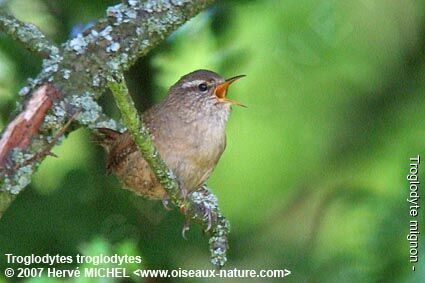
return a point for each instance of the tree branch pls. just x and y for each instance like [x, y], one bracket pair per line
[27, 34]
[201, 206]
[142, 138]
[79, 73]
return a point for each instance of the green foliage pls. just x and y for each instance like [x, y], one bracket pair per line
[313, 177]
[196, 37]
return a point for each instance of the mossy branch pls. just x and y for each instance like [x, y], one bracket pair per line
[201, 206]
[142, 137]
[27, 34]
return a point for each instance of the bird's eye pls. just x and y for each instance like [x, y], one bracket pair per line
[203, 87]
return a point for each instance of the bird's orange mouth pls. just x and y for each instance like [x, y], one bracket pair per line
[221, 91]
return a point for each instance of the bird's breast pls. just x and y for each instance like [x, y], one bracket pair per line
[192, 148]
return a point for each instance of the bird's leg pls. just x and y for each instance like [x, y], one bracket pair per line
[210, 216]
[184, 193]
[186, 227]
[166, 203]
[183, 210]
[206, 205]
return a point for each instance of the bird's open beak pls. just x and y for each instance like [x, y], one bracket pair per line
[221, 91]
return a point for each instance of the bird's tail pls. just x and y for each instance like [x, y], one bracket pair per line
[105, 137]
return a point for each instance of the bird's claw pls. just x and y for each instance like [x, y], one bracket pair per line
[166, 203]
[184, 193]
[210, 216]
[186, 227]
[52, 154]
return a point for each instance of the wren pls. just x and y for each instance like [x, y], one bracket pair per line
[189, 130]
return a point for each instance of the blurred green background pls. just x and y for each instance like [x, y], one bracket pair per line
[314, 175]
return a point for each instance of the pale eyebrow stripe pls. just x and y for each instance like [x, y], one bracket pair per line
[192, 83]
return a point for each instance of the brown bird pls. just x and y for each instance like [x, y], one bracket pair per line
[187, 128]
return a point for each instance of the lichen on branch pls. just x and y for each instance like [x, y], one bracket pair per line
[28, 34]
[78, 71]
[80, 68]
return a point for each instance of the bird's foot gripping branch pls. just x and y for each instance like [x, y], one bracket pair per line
[200, 206]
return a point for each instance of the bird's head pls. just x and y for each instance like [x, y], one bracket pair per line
[204, 85]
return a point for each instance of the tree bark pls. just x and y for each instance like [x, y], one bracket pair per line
[72, 78]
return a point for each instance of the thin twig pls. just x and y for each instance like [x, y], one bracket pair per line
[47, 151]
[27, 34]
